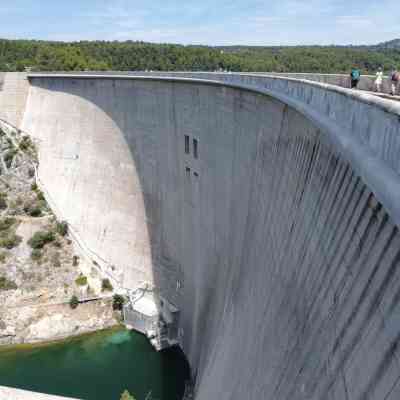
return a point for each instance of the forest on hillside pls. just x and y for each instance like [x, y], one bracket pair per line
[18, 55]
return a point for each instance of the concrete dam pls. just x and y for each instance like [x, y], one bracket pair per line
[265, 208]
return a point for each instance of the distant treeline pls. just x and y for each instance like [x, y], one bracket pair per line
[16, 55]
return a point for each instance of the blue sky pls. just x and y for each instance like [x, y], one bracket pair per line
[217, 22]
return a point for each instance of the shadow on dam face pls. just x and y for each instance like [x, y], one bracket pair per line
[283, 264]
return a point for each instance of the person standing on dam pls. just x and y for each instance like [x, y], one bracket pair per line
[378, 80]
[395, 78]
[355, 77]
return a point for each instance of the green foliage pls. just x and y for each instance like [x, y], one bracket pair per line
[73, 302]
[35, 211]
[35, 208]
[40, 195]
[40, 239]
[62, 228]
[3, 257]
[10, 241]
[118, 302]
[34, 187]
[106, 285]
[6, 223]
[81, 280]
[26, 144]
[126, 396]
[15, 55]
[36, 255]
[6, 284]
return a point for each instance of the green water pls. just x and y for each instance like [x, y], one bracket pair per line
[98, 366]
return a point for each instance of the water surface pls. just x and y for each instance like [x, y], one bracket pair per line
[97, 366]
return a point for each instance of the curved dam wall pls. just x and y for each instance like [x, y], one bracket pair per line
[278, 242]
[14, 89]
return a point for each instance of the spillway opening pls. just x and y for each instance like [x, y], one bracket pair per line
[98, 366]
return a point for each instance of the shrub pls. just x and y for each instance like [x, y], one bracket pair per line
[106, 285]
[6, 284]
[81, 280]
[6, 223]
[118, 302]
[3, 257]
[3, 203]
[36, 254]
[40, 239]
[34, 187]
[40, 196]
[126, 396]
[62, 228]
[73, 302]
[10, 241]
[42, 204]
[35, 212]
[26, 143]
[75, 261]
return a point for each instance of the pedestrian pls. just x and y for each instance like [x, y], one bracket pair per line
[379, 80]
[355, 77]
[394, 78]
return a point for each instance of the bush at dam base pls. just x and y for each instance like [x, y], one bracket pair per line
[96, 366]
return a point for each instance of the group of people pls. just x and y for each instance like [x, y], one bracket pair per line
[394, 77]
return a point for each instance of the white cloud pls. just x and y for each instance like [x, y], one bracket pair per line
[354, 21]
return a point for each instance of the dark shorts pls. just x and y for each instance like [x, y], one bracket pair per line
[354, 83]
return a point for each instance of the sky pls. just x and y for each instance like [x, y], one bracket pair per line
[211, 22]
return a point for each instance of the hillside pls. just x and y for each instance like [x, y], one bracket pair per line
[391, 44]
[17, 55]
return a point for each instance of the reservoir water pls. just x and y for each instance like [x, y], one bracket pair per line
[98, 366]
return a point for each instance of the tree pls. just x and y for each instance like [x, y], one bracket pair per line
[15, 55]
[118, 302]
[106, 285]
[126, 396]
[73, 302]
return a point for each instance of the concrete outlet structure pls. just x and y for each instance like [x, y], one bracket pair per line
[264, 208]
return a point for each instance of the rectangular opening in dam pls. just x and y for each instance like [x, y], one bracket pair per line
[195, 148]
[187, 172]
[187, 149]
